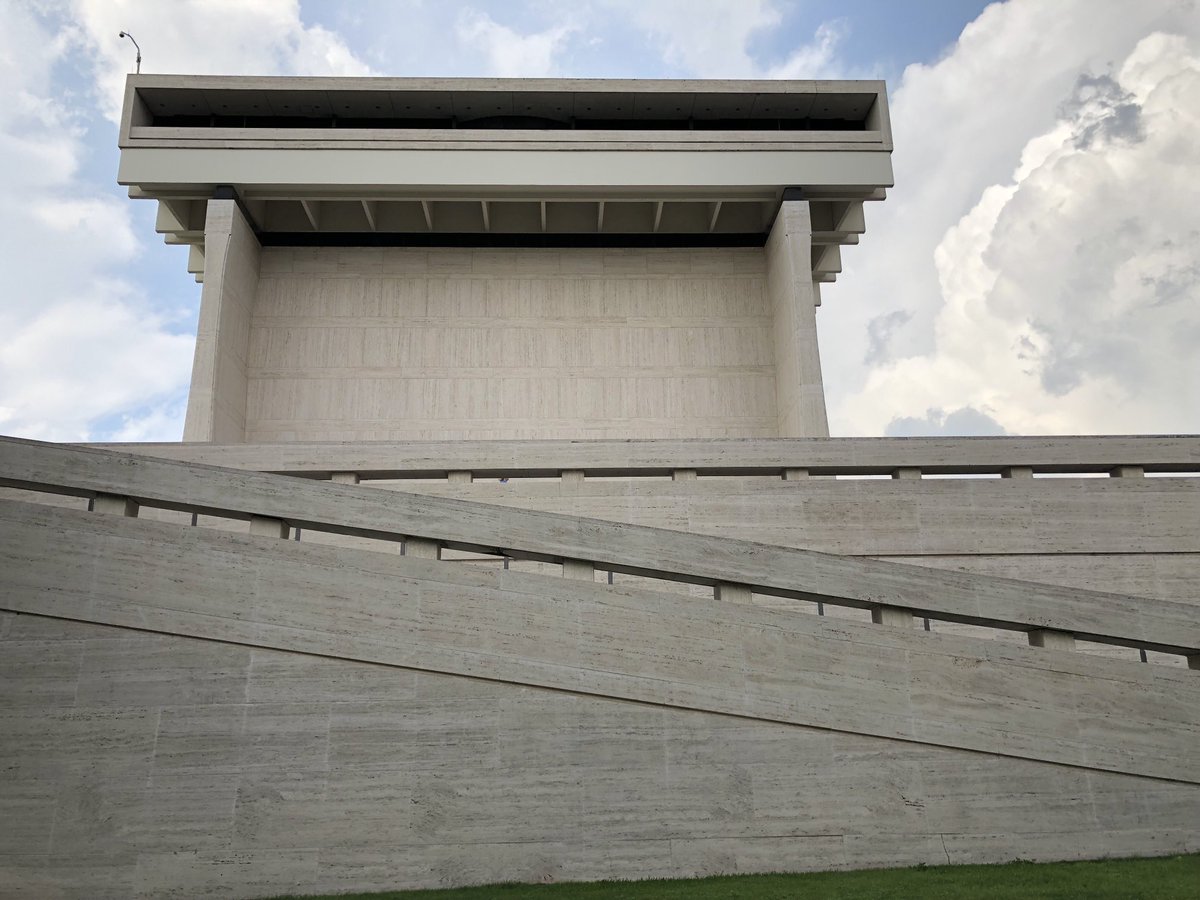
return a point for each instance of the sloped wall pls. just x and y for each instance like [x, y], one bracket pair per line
[142, 765]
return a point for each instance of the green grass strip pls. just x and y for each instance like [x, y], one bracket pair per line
[1162, 878]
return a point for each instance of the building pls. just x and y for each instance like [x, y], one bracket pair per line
[552, 571]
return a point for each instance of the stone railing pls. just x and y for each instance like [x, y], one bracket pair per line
[1052, 616]
[786, 458]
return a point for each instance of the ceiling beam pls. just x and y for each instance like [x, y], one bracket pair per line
[312, 209]
[714, 210]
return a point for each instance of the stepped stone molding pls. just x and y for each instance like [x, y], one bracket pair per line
[822, 456]
[1160, 625]
[565, 634]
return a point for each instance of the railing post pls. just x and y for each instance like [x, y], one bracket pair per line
[459, 477]
[422, 548]
[1127, 472]
[266, 526]
[733, 593]
[895, 616]
[114, 505]
[344, 478]
[579, 570]
[1051, 639]
[1017, 472]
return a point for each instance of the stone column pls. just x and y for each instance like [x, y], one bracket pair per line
[896, 616]
[1055, 640]
[216, 408]
[733, 593]
[579, 570]
[420, 547]
[799, 391]
[265, 526]
[114, 505]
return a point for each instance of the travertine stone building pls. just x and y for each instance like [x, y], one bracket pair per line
[395, 260]
[507, 540]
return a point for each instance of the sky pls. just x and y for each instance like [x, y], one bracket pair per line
[1036, 269]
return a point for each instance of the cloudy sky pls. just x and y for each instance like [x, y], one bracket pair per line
[1036, 269]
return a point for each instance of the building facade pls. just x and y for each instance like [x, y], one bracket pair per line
[507, 540]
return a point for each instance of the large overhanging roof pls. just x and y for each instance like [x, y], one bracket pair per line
[397, 160]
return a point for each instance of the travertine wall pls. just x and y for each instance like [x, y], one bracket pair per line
[167, 766]
[1135, 536]
[396, 343]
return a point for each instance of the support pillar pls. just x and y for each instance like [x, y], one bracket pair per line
[459, 477]
[1127, 472]
[216, 408]
[422, 548]
[344, 478]
[115, 506]
[265, 526]
[895, 616]
[733, 593]
[1053, 640]
[579, 570]
[799, 391]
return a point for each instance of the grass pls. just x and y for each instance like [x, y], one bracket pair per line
[1163, 878]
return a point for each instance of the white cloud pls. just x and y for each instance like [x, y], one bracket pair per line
[198, 37]
[89, 348]
[817, 59]
[508, 53]
[1037, 260]
[702, 37]
[82, 359]
[163, 422]
[713, 38]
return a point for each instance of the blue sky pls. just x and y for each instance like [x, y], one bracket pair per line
[881, 36]
[1034, 271]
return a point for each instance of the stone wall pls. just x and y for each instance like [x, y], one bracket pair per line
[148, 765]
[398, 343]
